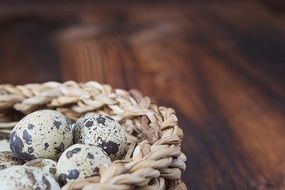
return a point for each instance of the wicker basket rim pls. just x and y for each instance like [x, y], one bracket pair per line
[154, 159]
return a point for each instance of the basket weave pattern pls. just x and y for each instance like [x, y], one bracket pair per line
[154, 159]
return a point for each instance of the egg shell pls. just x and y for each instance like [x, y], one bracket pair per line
[4, 145]
[41, 134]
[80, 161]
[21, 177]
[47, 165]
[102, 131]
[7, 159]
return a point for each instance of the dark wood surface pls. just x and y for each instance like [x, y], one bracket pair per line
[220, 65]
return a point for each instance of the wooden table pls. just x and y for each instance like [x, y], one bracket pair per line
[220, 65]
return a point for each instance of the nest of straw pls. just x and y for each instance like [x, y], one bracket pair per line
[154, 159]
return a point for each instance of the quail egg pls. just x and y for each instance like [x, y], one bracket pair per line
[80, 161]
[7, 159]
[48, 165]
[41, 134]
[21, 177]
[102, 131]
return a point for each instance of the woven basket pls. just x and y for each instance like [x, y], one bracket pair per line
[154, 159]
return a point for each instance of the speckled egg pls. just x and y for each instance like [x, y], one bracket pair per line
[47, 165]
[80, 161]
[41, 134]
[20, 177]
[7, 159]
[102, 131]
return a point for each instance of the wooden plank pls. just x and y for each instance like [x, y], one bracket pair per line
[63, 8]
[27, 54]
[221, 71]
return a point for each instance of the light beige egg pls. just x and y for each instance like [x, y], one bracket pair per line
[80, 161]
[102, 131]
[7, 159]
[4, 145]
[41, 134]
[47, 165]
[21, 177]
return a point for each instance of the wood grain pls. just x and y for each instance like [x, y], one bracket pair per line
[220, 65]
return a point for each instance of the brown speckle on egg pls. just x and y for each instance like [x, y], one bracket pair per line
[31, 176]
[52, 170]
[71, 152]
[96, 170]
[110, 147]
[62, 179]
[57, 124]
[35, 163]
[73, 174]
[88, 123]
[16, 143]
[90, 156]
[46, 182]
[60, 148]
[101, 120]
[30, 126]
[110, 118]
[30, 149]
[46, 145]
